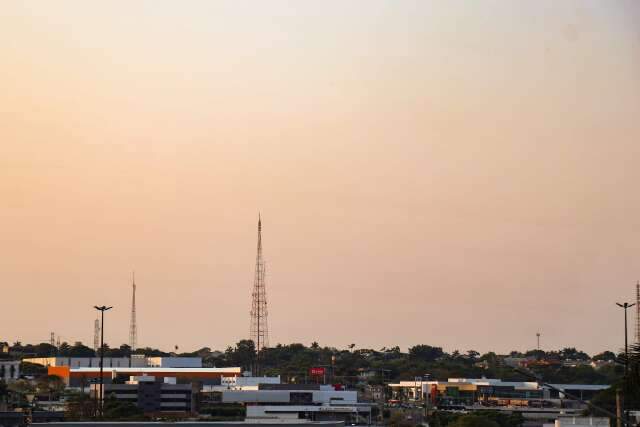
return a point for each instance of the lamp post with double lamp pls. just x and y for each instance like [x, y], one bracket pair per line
[102, 309]
[625, 306]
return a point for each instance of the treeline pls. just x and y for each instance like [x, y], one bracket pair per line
[351, 365]
[78, 349]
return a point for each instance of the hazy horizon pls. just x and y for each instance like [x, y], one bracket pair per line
[459, 174]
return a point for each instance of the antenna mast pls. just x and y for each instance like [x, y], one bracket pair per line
[638, 313]
[259, 332]
[133, 329]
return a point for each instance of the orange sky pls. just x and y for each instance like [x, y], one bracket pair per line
[456, 173]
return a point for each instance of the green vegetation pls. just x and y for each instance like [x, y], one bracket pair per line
[348, 366]
[119, 410]
[607, 398]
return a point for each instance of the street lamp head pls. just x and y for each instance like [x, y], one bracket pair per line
[102, 308]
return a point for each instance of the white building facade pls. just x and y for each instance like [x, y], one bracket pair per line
[9, 370]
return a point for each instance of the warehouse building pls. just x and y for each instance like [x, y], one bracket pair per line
[82, 377]
[135, 361]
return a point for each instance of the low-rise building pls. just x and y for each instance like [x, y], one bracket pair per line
[135, 361]
[154, 395]
[81, 377]
[467, 391]
[579, 422]
[9, 370]
[290, 402]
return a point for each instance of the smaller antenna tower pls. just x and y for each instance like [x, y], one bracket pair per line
[52, 340]
[638, 312]
[133, 328]
[538, 338]
[96, 334]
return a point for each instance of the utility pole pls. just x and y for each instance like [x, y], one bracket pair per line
[618, 409]
[102, 309]
[625, 306]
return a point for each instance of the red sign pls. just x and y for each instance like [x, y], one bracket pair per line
[316, 372]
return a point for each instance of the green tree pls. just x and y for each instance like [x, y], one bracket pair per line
[80, 350]
[79, 406]
[33, 369]
[605, 355]
[243, 355]
[425, 353]
[51, 385]
[120, 410]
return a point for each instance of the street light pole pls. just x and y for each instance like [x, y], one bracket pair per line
[102, 309]
[625, 306]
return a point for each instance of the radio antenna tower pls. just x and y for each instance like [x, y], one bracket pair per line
[52, 340]
[638, 313]
[96, 334]
[259, 331]
[133, 329]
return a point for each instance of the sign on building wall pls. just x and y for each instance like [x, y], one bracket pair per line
[317, 372]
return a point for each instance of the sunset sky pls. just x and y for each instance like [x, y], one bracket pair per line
[455, 173]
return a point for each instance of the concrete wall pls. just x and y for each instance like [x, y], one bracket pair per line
[80, 362]
[174, 362]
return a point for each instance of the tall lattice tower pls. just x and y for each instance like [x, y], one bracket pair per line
[259, 332]
[96, 333]
[638, 313]
[133, 327]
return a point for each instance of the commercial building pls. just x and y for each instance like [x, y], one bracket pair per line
[154, 395]
[532, 399]
[467, 391]
[135, 361]
[313, 402]
[9, 370]
[579, 422]
[81, 377]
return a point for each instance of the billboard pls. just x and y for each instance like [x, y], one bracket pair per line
[316, 372]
